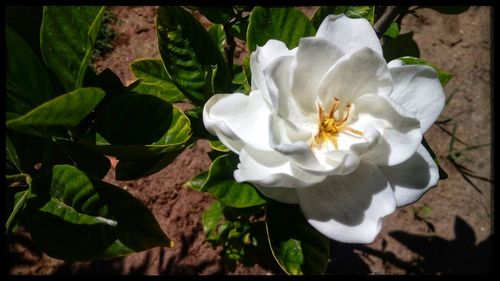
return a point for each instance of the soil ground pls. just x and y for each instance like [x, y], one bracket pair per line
[454, 237]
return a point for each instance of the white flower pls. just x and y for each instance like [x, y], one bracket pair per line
[329, 125]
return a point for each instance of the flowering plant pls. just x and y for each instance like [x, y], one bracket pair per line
[318, 132]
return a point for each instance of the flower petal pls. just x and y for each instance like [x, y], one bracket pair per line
[314, 57]
[353, 75]
[261, 58]
[349, 208]
[412, 178]
[418, 90]
[349, 34]
[277, 75]
[237, 118]
[400, 134]
[280, 194]
[271, 169]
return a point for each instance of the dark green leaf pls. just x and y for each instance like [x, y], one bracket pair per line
[154, 80]
[392, 31]
[221, 184]
[106, 80]
[367, 12]
[218, 35]
[296, 245]
[11, 154]
[27, 82]
[77, 218]
[67, 38]
[29, 150]
[210, 218]
[17, 209]
[134, 119]
[86, 159]
[285, 24]
[450, 10]
[402, 45]
[188, 52]
[444, 77]
[197, 181]
[66, 110]
[138, 160]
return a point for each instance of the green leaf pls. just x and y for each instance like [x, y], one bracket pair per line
[29, 150]
[134, 119]
[296, 245]
[197, 181]
[221, 184]
[85, 158]
[66, 110]
[218, 145]
[11, 154]
[402, 45]
[67, 38]
[450, 10]
[77, 218]
[392, 31]
[218, 35]
[152, 117]
[27, 82]
[154, 80]
[444, 77]
[210, 218]
[187, 52]
[17, 210]
[367, 12]
[285, 24]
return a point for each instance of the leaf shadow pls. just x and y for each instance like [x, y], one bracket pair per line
[438, 255]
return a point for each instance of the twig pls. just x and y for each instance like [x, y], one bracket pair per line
[385, 20]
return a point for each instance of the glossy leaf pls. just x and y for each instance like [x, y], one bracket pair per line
[11, 155]
[218, 35]
[402, 45]
[392, 31]
[367, 12]
[221, 184]
[210, 218]
[218, 145]
[86, 159]
[188, 52]
[67, 38]
[296, 245]
[17, 209]
[154, 80]
[197, 181]
[285, 24]
[444, 77]
[81, 219]
[66, 110]
[135, 158]
[134, 119]
[27, 82]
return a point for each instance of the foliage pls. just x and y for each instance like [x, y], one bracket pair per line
[63, 119]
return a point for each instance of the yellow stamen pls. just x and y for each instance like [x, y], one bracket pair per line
[330, 127]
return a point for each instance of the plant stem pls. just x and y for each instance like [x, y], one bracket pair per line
[390, 14]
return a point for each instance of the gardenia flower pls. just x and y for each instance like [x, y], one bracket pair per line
[329, 125]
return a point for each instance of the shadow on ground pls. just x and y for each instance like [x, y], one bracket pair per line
[436, 254]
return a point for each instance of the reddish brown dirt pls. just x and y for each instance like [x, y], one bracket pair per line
[455, 238]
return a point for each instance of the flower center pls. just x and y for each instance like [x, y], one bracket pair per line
[330, 127]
